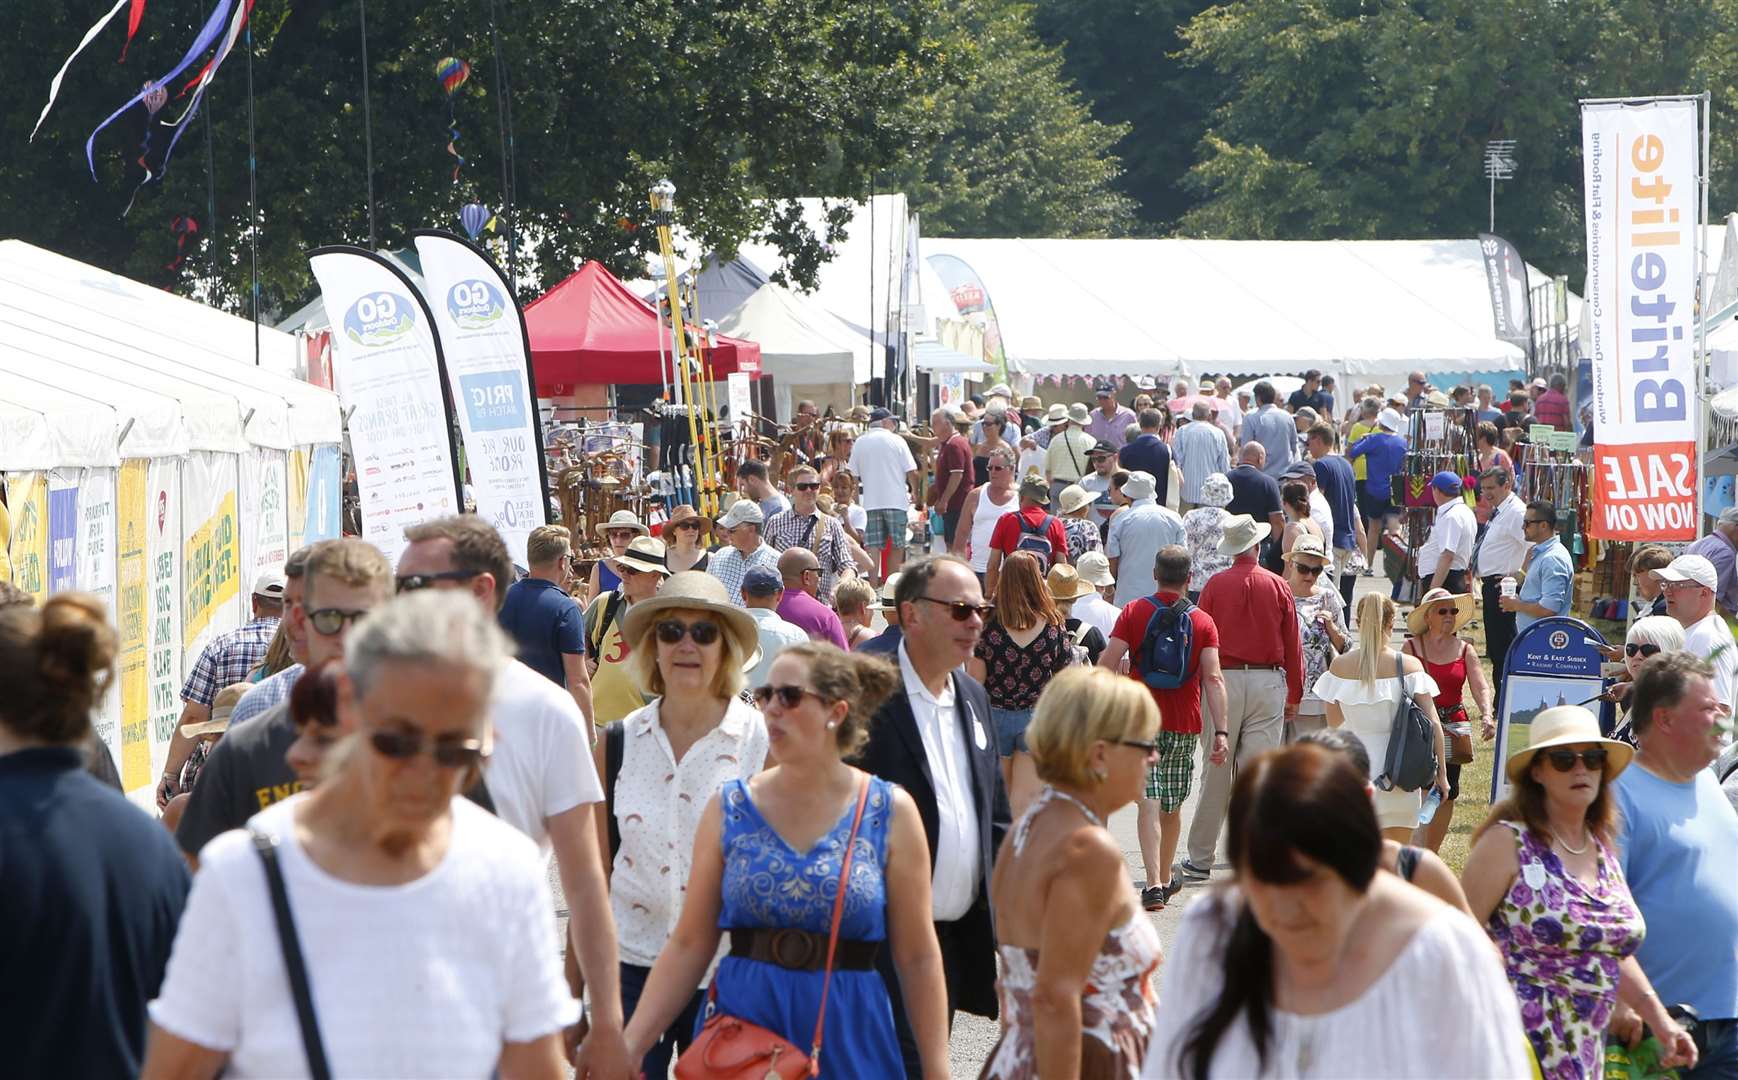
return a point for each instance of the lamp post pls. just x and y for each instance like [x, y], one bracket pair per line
[1499, 165]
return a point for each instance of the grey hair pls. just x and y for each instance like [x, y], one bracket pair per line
[1201, 410]
[1370, 406]
[439, 629]
[1729, 516]
[1661, 630]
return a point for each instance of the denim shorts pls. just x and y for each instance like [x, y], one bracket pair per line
[1010, 729]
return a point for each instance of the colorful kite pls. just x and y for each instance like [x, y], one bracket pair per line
[452, 72]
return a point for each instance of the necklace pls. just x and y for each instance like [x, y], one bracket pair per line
[1564, 844]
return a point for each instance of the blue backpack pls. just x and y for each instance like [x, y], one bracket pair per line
[1037, 541]
[1167, 647]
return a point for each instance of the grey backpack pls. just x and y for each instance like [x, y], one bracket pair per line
[1411, 760]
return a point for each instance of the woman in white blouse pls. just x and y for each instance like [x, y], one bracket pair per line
[424, 921]
[1314, 965]
[1363, 689]
[688, 648]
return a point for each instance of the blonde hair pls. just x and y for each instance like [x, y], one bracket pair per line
[547, 543]
[1375, 623]
[1661, 630]
[1082, 706]
[727, 681]
[852, 595]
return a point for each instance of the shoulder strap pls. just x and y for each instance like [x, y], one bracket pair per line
[838, 912]
[612, 607]
[267, 847]
[1406, 862]
[615, 745]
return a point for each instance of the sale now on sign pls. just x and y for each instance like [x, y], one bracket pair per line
[1641, 161]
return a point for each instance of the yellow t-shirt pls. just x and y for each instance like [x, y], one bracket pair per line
[1360, 464]
[614, 694]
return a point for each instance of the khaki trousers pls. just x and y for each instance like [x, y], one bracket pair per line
[1255, 718]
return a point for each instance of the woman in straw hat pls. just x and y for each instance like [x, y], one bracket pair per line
[684, 546]
[1453, 665]
[1551, 892]
[619, 531]
[1066, 587]
[1321, 623]
[1078, 521]
[1204, 527]
[664, 762]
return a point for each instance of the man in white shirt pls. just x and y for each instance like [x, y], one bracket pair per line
[1447, 549]
[933, 738]
[1496, 555]
[540, 775]
[1690, 582]
[1136, 536]
[1093, 609]
[1230, 410]
[883, 464]
[762, 589]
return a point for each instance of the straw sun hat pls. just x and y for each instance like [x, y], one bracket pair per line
[1567, 725]
[622, 519]
[696, 590]
[1243, 532]
[1430, 601]
[1064, 584]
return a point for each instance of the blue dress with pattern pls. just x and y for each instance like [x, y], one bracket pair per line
[767, 884]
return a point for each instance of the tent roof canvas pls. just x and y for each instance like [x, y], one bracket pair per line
[800, 341]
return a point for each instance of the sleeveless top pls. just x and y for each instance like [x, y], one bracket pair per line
[984, 519]
[1450, 678]
[1118, 1004]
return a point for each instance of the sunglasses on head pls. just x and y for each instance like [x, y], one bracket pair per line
[1642, 648]
[960, 610]
[416, 582]
[328, 621]
[448, 753]
[671, 631]
[789, 697]
[1564, 760]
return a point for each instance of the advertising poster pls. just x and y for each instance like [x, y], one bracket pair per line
[264, 521]
[27, 499]
[483, 344]
[62, 529]
[211, 551]
[296, 488]
[1641, 161]
[133, 607]
[94, 573]
[320, 520]
[389, 382]
[1552, 662]
[163, 642]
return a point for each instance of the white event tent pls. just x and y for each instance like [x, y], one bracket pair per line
[148, 461]
[807, 350]
[1367, 309]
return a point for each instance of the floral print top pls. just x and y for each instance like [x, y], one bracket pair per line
[1561, 941]
[1014, 675]
[1203, 528]
[1082, 537]
[1318, 647]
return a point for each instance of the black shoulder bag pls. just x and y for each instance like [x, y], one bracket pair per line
[267, 847]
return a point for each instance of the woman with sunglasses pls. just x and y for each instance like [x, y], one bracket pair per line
[619, 531]
[1321, 621]
[424, 922]
[992, 428]
[985, 506]
[1550, 890]
[664, 763]
[1453, 664]
[683, 546]
[767, 860]
[1648, 636]
[1070, 928]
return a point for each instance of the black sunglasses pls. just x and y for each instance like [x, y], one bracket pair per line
[1535, 521]
[417, 582]
[671, 631]
[1564, 760]
[447, 753]
[1309, 571]
[789, 697]
[1633, 648]
[689, 523]
[961, 611]
[328, 621]
[810, 485]
[1145, 746]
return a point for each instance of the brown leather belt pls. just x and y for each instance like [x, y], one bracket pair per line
[1249, 667]
[801, 950]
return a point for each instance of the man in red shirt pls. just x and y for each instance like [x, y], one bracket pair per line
[1028, 525]
[953, 470]
[1552, 406]
[1168, 779]
[1262, 658]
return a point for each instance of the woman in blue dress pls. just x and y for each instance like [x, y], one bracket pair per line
[766, 871]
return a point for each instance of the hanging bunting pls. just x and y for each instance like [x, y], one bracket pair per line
[59, 76]
[452, 72]
[133, 18]
[183, 226]
[208, 35]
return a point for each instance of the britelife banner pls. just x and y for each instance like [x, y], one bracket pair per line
[483, 341]
[1511, 300]
[1641, 162]
[389, 384]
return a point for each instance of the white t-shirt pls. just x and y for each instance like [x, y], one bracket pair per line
[880, 459]
[1712, 638]
[541, 765]
[429, 978]
[857, 518]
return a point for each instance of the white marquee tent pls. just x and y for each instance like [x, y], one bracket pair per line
[807, 350]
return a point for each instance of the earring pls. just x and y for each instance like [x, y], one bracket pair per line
[1100, 775]
[831, 724]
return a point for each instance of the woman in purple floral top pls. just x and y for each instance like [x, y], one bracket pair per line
[1024, 643]
[1553, 898]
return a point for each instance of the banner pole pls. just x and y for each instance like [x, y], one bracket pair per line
[1702, 407]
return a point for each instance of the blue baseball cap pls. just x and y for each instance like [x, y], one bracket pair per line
[762, 581]
[1446, 482]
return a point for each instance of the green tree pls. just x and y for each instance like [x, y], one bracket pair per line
[1369, 119]
[742, 104]
[1019, 153]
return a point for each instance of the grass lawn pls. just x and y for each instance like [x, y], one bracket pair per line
[1471, 807]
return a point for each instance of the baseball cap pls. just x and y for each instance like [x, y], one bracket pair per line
[1104, 389]
[878, 414]
[1299, 470]
[269, 584]
[742, 512]
[762, 581]
[1694, 568]
[1446, 482]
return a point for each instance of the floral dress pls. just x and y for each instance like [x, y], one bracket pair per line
[1561, 941]
[1082, 536]
[1318, 647]
[1014, 674]
[1203, 528]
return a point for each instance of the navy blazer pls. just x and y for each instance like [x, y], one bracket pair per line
[895, 753]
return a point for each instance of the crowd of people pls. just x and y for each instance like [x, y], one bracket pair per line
[823, 771]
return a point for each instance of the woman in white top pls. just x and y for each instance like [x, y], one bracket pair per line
[1363, 688]
[1313, 964]
[689, 647]
[425, 922]
[985, 506]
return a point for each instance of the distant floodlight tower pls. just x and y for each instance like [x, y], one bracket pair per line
[1499, 165]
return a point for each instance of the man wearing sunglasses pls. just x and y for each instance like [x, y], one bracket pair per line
[1549, 584]
[541, 776]
[1690, 582]
[802, 580]
[246, 771]
[804, 526]
[933, 739]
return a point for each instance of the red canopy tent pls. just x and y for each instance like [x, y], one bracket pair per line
[591, 330]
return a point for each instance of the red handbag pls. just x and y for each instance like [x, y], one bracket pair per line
[729, 1048]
